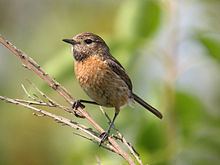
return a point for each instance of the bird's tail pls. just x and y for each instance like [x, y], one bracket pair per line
[147, 106]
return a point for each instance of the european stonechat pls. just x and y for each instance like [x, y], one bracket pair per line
[102, 77]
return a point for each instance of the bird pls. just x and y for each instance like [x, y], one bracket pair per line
[102, 77]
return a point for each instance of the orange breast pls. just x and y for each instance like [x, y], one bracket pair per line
[100, 83]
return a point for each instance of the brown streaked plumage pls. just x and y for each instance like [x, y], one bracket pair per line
[101, 76]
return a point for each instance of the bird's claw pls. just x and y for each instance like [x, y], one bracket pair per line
[103, 137]
[75, 106]
[78, 104]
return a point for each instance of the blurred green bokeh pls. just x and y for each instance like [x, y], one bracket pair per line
[170, 49]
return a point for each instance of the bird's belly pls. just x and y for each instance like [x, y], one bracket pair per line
[102, 84]
[108, 95]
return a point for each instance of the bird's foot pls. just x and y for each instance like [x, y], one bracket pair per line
[75, 106]
[78, 104]
[103, 137]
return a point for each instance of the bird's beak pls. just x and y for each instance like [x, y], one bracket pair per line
[70, 41]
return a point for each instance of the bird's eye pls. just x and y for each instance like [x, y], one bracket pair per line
[88, 41]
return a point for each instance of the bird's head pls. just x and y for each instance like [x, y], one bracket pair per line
[87, 44]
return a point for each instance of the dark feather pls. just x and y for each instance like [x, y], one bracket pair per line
[118, 69]
[147, 106]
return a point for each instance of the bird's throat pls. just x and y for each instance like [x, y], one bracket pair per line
[79, 56]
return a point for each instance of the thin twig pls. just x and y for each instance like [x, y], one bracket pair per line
[29, 95]
[38, 101]
[35, 103]
[59, 119]
[50, 101]
[44, 95]
[130, 147]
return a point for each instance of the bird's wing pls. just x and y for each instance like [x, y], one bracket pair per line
[119, 70]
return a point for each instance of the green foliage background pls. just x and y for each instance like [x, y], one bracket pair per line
[170, 49]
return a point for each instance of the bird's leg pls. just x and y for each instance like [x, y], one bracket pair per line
[105, 134]
[78, 103]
